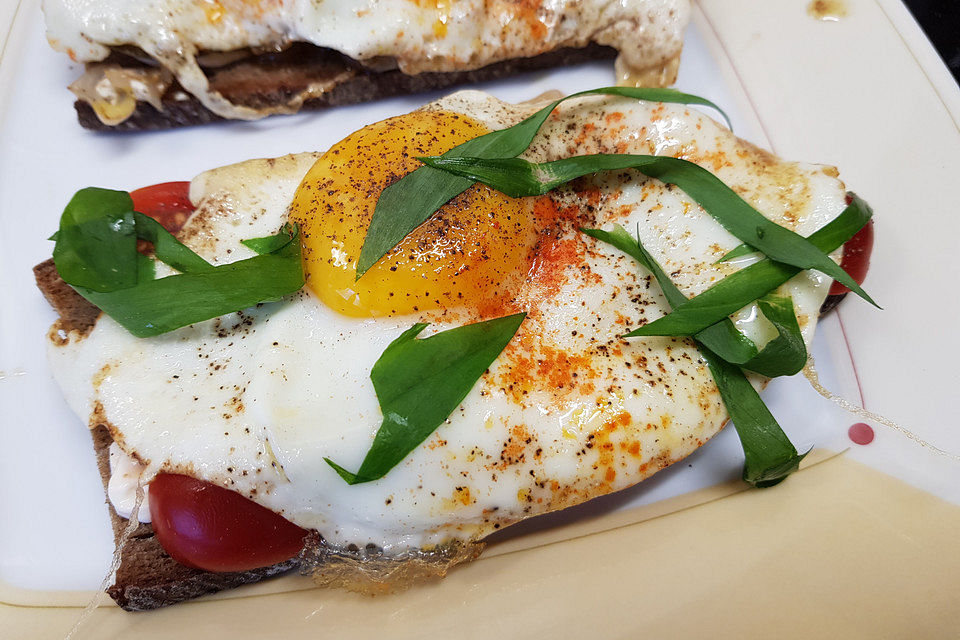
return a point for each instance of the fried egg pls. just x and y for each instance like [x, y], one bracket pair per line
[255, 400]
[414, 35]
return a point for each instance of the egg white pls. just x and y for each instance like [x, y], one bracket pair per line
[255, 400]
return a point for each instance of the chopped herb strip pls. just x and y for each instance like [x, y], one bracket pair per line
[517, 177]
[737, 252]
[722, 336]
[419, 383]
[167, 248]
[96, 254]
[769, 455]
[752, 282]
[96, 243]
[409, 202]
[271, 244]
[786, 354]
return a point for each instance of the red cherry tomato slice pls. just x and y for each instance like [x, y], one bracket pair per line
[208, 527]
[856, 257]
[168, 203]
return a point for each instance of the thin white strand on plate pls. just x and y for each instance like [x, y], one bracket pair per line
[810, 372]
[132, 525]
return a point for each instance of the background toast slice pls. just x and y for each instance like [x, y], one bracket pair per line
[267, 80]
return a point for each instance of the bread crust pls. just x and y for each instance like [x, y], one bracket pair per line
[75, 313]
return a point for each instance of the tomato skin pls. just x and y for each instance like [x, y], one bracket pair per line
[168, 203]
[856, 258]
[208, 527]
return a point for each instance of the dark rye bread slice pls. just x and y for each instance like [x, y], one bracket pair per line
[147, 578]
[270, 79]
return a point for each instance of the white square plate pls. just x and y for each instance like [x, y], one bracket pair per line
[862, 93]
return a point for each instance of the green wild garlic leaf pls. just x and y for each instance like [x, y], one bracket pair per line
[419, 383]
[754, 281]
[409, 202]
[96, 254]
[769, 456]
[517, 177]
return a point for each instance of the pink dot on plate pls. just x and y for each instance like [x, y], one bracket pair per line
[861, 433]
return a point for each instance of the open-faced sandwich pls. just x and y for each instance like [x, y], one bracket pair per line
[361, 362]
[163, 63]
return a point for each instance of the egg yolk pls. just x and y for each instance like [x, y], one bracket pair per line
[472, 253]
